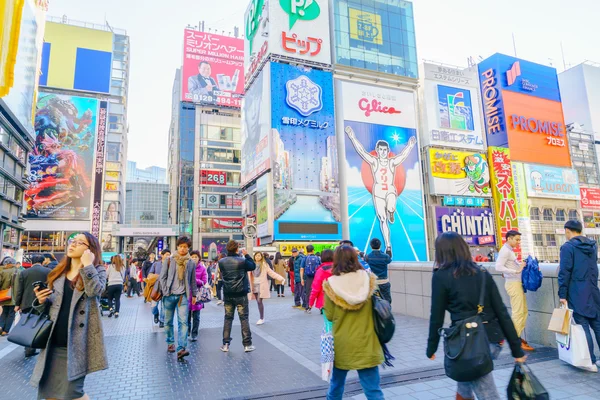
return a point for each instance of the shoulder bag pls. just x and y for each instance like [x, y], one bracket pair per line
[383, 319]
[32, 331]
[466, 345]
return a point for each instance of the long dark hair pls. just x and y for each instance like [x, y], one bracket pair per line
[64, 266]
[452, 252]
[277, 257]
[345, 261]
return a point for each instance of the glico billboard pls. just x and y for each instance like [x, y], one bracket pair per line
[523, 111]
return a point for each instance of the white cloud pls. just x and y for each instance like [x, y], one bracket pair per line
[353, 176]
[413, 178]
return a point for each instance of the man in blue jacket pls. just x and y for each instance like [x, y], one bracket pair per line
[378, 262]
[578, 282]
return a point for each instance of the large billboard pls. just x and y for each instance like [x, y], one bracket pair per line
[256, 127]
[551, 182]
[451, 112]
[291, 28]
[76, 58]
[62, 160]
[523, 110]
[523, 214]
[378, 35]
[590, 198]
[262, 206]
[21, 95]
[213, 69]
[461, 173]
[305, 160]
[213, 246]
[475, 225]
[382, 169]
[503, 191]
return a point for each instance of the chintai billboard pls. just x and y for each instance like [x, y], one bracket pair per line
[475, 225]
[382, 169]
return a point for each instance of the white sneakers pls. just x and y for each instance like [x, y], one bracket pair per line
[219, 302]
[260, 322]
[248, 349]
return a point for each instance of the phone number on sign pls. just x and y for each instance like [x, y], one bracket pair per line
[226, 101]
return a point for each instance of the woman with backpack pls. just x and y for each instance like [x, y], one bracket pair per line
[317, 296]
[456, 287]
[8, 274]
[116, 277]
[259, 284]
[349, 306]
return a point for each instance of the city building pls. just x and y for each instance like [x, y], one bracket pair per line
[205, 144]
[151, 174]
[580, 98]
[20, 57]
[84, 84]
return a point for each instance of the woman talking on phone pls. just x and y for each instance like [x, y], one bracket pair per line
[76, 344]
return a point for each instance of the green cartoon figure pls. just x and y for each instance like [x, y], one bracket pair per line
[476, 168]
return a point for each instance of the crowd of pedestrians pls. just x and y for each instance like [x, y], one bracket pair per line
[340, 283]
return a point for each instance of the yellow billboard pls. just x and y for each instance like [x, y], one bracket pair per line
[365, 26]
[459, 173]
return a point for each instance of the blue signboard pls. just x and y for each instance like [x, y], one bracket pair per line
[455, 108]
[461, 201]
[552, 182]
[493, 105]
[305, 161]
[475, 225]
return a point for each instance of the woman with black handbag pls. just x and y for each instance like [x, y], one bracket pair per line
[479, 317]
[76, 339]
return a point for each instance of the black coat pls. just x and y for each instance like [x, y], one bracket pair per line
[578, 276]
[234, 270]
[25, 296]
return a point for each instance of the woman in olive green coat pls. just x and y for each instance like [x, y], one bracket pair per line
[348, 305]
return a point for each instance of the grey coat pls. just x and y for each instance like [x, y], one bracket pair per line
[168, 275]
[85, 348]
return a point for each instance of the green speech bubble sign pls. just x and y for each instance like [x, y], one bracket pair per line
[252, 20]
[306, 10]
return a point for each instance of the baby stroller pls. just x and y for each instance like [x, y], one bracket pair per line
[104, 304]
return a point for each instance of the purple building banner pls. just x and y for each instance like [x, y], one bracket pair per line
[475, 225]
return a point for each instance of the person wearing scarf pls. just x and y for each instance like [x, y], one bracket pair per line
[178, 284]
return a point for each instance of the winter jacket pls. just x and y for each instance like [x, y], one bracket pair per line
[317, 297]
[146, 266]
[52, 265]
[24, 296]
[378, 262]
[169, 273]
[298, 263]
[265, 272]
[85, 350]
[233, 270]
[348, 305]
[280, 268]
[8, 279]
[201, 279]
[578, 276]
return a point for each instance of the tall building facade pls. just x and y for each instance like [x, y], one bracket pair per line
[205, 143]
[150, 174]
[82, 100]
[20, 56]
[147, 203]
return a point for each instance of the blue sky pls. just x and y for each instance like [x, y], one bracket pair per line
[447, 31]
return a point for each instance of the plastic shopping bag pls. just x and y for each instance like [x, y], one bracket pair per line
[327, 352]
[524, 385]
[576, 352]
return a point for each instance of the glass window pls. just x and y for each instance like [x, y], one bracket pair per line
[550, 240]
[560, 215]
[535, 214]
[548, 215]
[538, 239]
[573, 214]
[112, 151]
[10, 190]
[4, 136]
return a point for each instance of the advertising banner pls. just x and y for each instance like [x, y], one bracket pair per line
[286, 248]
[213, 69]
[256, 127]
[262, 207]
[227, 224]
[459, 173]
[99, 168]
[305, 160]
[211, 177]
[503, 191]
[523, 209]
[590, 198]
[475, 225]
[111, 211]
[112, 166]
[551, 182]
[291, 28]
[111, 186]
[213, 246]
[385, 197]
[62, 160]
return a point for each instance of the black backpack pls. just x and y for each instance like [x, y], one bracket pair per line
[383, 319]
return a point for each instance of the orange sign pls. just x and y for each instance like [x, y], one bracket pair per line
[536, 130]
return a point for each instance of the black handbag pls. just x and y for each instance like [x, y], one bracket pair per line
[383, 319]
[32, 331]
[524, 385]
[466, 345]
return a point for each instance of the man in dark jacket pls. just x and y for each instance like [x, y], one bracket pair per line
[236, 286]
[578, 281]
[50, 261]
[299, 292]
[24, 296]
[378, 262]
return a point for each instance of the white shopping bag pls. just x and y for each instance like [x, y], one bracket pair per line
[576, 352]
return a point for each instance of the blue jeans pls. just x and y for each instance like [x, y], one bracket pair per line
[171, 303]
[369, 380]
[159, 310]
[484, 387]
[586, 324]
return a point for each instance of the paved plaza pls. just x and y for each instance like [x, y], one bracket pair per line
[284, 366]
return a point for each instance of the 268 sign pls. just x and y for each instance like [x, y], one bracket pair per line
[208, 177]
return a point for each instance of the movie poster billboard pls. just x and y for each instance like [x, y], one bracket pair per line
[213, 246]
[460, 173]
[305, 160]
[213, 69]
[256, 126]
[382, 169]
[62, 160]
[503, 191]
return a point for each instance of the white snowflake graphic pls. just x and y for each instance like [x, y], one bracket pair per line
[304, 96]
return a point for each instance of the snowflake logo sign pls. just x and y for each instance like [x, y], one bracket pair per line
[304, 96]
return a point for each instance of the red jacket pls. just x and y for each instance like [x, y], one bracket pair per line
[316, 295]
